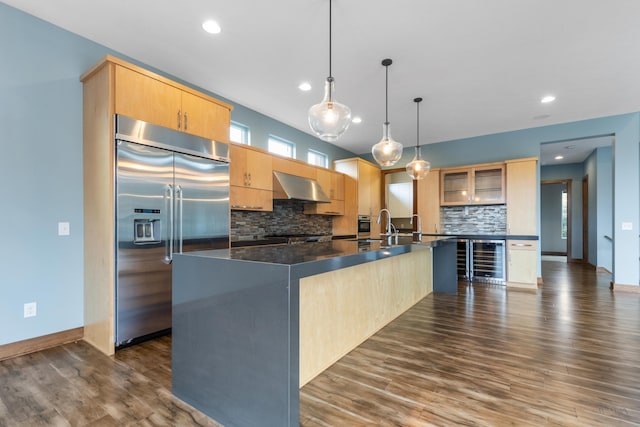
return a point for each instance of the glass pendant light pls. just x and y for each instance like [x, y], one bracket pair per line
[418, 168]
[387, 152]
[329, 119]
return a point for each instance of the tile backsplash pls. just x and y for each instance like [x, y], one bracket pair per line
[481, 219]
[288, 217]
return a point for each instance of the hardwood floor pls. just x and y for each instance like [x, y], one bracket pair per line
[566, 355]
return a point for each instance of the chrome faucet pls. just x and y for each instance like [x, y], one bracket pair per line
[388, 229]
[417, 233]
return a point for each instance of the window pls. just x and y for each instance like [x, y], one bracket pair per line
[281, 147]
[239, 133]
[317, 158]
[563, 226]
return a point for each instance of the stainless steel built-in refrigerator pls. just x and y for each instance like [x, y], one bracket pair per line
[172, 196]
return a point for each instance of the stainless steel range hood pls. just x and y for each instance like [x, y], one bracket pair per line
[293, 187]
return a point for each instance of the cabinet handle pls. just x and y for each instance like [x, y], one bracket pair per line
[521, 245]
[179, 119]
[508, 228]
[245, 207]
[249, 179]
[186, 122]
[436, 228]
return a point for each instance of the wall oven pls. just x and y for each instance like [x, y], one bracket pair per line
[481, 261]
[364, 225]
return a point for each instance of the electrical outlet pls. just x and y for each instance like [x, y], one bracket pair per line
[30, 309]
[63, 229]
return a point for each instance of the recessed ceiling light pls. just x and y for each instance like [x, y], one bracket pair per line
[547, 99]
[541, 117]
[304, 87]
[356, 120]
[559, 157]
[211, 27]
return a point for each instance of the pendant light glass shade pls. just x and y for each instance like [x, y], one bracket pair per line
[418, 168]
[329, 119]
[387, 152]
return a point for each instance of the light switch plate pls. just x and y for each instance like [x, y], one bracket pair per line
[627, 226]
[63, 229]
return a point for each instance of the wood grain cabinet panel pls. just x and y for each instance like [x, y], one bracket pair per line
[141, 97]
[429, 202]
[251, 179]
[205, 118]
[522, 257]
[522, 207]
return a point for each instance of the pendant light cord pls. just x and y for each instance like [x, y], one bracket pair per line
[330, 76]
[417, 122]
[386, 95]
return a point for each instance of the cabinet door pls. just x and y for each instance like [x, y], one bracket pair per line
[205, 118]
[294, 167]
[521, 197]
[144, 98]
[522, 264]
[429, 202]
[347, 224]
[331, 182]
[250, 199]
[250, 168]
[455, 187]
[488, 185]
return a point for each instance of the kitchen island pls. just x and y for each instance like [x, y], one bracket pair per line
[252, 325]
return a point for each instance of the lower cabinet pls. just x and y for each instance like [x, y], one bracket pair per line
[250, 199]
[522, 263]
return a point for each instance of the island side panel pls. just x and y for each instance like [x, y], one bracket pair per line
[445, 273]
[232, 350]
[340, 309]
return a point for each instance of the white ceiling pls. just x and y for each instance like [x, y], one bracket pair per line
[481, 66]
[572, 151]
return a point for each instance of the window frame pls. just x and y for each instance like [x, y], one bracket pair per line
[282, 141]
[318, 154]
[244, 131]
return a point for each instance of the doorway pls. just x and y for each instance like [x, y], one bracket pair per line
[555, 218]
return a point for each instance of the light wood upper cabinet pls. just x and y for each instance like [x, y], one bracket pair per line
[294, 167]
[250, 177]
[138, 94]
[367, 176]
[522, 187]
[348, 223]
[140, 97]
[332, 184]
[205, 118]
[429, 202]
[250, 167]
[477, 185]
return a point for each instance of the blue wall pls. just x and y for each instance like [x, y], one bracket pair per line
[604, 207]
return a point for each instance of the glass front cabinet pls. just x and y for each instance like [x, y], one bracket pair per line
[482, 185]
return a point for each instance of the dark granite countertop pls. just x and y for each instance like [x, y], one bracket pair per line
[335, 251]
[487, 236]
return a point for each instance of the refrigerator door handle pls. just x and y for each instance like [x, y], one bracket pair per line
[179, 199]
[168, 206]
